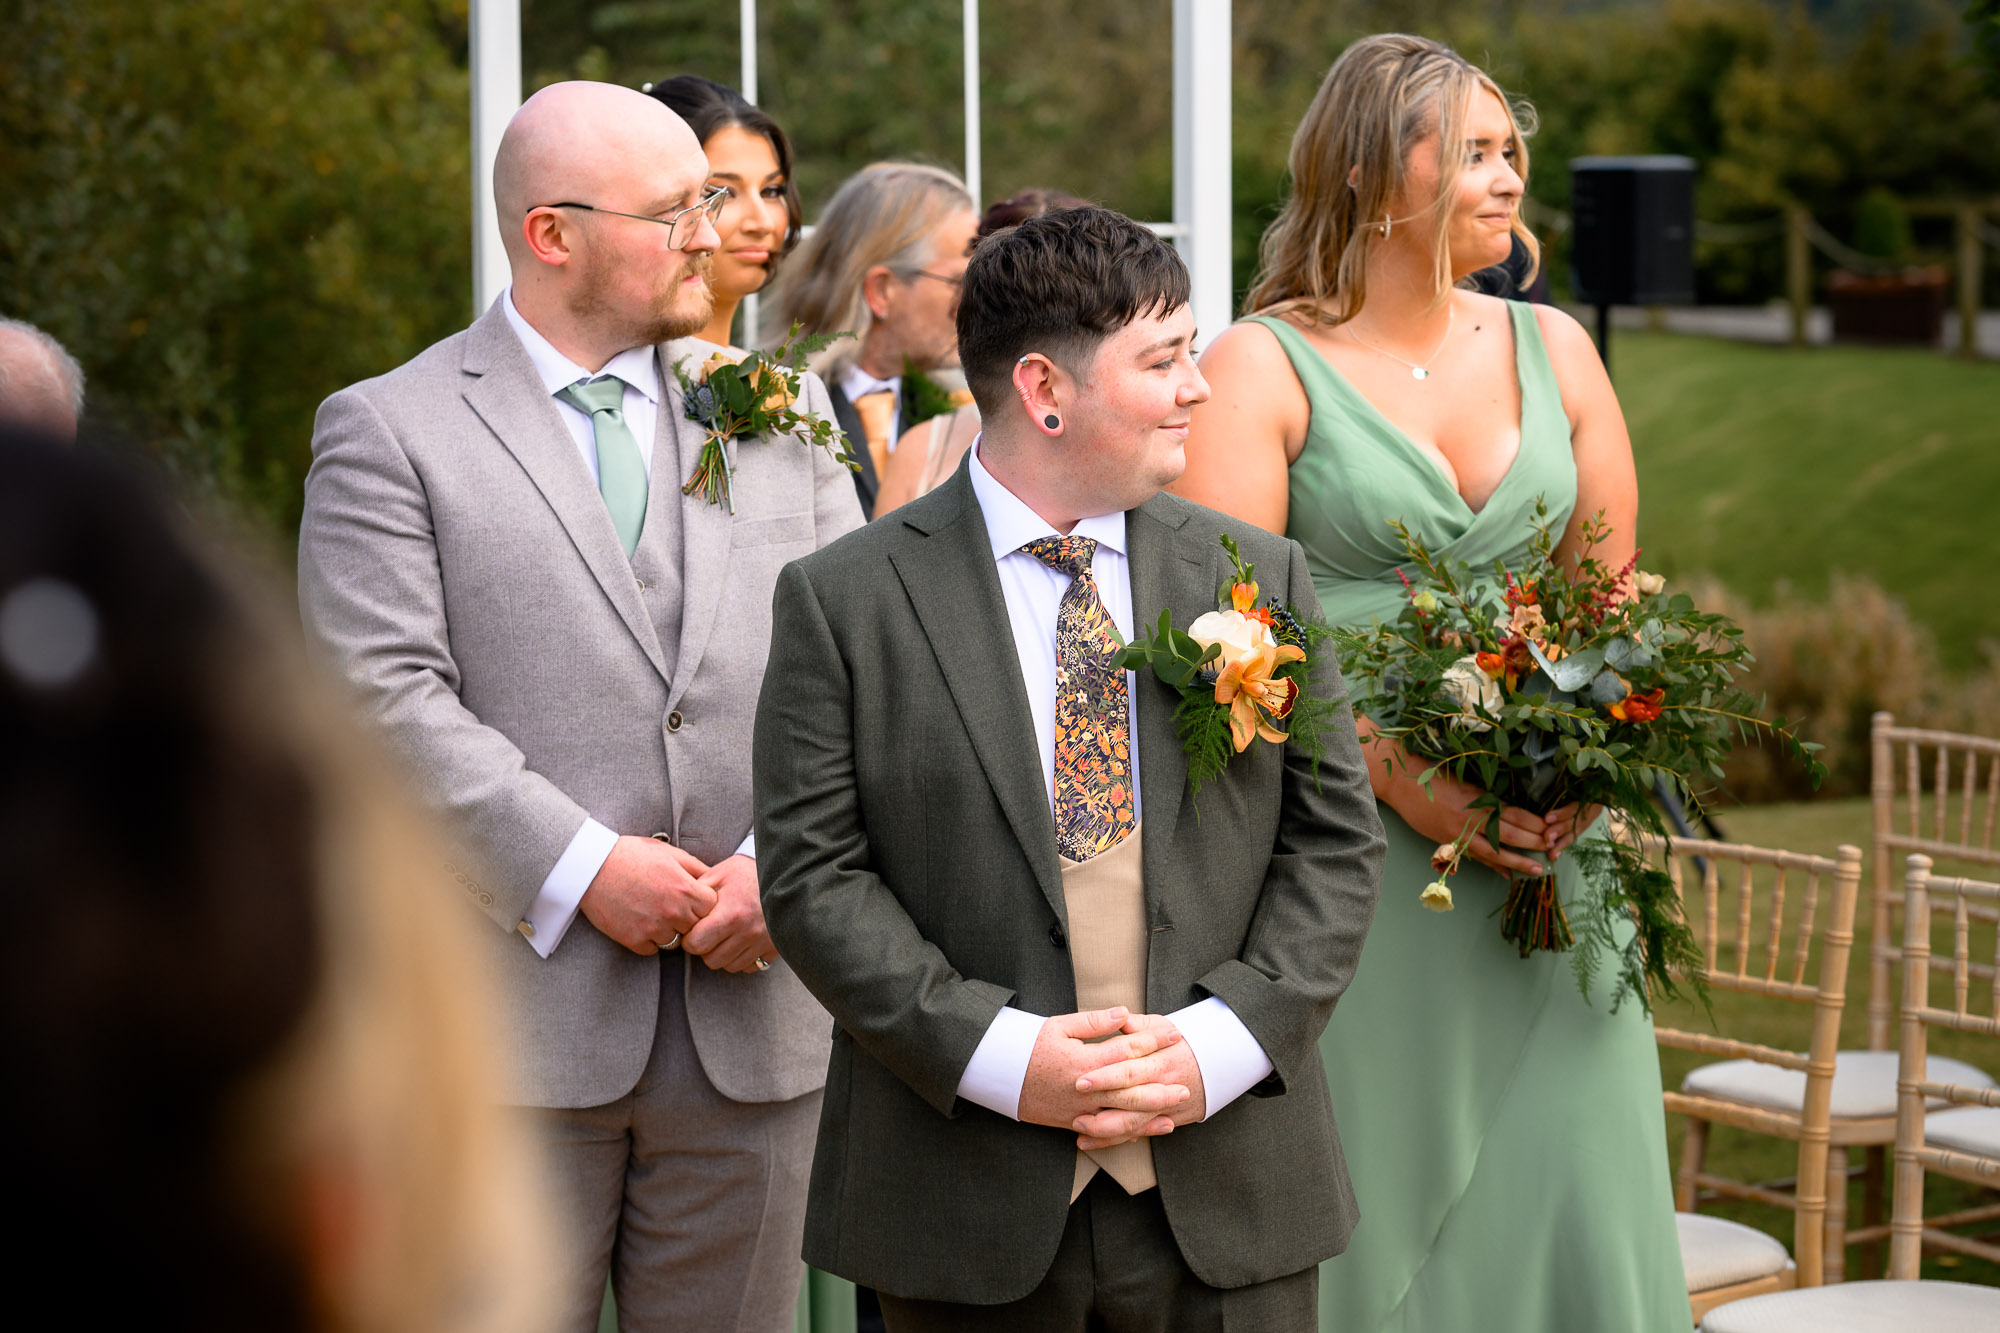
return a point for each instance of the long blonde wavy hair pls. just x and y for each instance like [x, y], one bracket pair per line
[884, 214]
[1382, 95]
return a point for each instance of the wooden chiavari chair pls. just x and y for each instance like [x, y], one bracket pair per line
[1932, 1135]
[1770, 957]
[1909, 765]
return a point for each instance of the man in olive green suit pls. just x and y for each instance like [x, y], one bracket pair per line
[1052, 982]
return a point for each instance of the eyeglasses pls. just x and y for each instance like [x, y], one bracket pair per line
[682, 227]
[953, 283]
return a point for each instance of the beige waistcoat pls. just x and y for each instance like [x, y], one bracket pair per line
[1106, 901]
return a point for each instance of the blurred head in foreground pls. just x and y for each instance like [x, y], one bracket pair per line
[247, 1051]
[41, 385]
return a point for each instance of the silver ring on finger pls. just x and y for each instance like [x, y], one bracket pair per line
[673, 943]
[763, 965]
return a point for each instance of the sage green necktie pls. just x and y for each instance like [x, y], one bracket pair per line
[621, 472]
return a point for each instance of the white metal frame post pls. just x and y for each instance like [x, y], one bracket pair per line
[972, 164]
[751, 311]
[496, 96]
[1202, 199]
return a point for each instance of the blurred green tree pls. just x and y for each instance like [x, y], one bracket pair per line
[228, 209]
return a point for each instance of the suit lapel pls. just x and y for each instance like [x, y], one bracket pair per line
[1168, 574]
[866, 483]
[509, 397]
[705, 527]
[954, 585]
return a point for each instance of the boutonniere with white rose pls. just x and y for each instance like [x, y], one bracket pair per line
[732, 395]
[1242, 673]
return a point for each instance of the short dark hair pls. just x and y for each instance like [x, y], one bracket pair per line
[1059, 284]
[708, 106]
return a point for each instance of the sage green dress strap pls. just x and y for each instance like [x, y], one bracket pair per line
[1506, 1140]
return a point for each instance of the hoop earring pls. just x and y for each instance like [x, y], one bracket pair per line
[1387, 223]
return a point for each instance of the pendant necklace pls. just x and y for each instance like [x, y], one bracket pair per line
[1418, 370]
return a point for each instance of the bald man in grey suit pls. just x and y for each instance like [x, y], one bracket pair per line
[497, 555]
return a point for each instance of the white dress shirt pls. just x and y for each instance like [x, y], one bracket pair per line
[857, 381]
[1231, 1060]
[555, 906]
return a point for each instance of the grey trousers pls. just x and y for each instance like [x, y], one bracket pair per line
[694, 1205]
[1119, 1270]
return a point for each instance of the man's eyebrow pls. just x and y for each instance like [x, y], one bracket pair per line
[1164, 344]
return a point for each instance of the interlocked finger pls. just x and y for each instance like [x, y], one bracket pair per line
[1113, 1126]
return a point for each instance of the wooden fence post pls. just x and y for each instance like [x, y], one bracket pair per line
[1971, 254]
[1798, 270]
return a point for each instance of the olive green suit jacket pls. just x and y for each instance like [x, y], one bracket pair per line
[910, 877]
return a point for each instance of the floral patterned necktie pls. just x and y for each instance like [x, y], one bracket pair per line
[1093, 806]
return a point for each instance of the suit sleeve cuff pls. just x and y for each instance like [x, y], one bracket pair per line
[998, 1069]
[1230, 1059]
[554, 908]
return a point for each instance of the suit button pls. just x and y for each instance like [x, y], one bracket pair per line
[486, 900]
[674, 720]
[1056, 936]
[643, 585]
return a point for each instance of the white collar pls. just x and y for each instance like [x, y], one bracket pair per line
[857, 382]
[635, 365]
[1010, 524]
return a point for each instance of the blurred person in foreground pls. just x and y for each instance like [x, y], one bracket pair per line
[750, 159]
[883, 263]
[41, 385]
[1053, 985]
[497, 555]
[931, 450]
[1370, 386]
[252, 1060]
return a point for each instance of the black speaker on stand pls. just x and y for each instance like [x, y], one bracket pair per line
[1631, 234]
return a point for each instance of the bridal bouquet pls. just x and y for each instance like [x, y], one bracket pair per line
[1546, 687]
[751, 394]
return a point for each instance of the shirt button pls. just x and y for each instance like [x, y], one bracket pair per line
[674, 720]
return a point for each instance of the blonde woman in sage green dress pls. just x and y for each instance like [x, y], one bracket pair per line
[1506, 1139]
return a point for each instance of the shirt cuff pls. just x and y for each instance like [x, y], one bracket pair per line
[998, 1069]
[1230, 1060]
[549, 916]
[749, 845]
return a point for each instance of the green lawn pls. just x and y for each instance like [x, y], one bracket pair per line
[1767, 464]
[1817, 827]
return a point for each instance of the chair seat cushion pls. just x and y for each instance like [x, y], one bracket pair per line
[1716, 1252]
[1863, 1307]
[1973, 1129]
[1864, 1083]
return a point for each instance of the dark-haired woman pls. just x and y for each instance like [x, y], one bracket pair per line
[749, 156]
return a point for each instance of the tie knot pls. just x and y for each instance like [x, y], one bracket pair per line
[1066, 555]
[606, 394]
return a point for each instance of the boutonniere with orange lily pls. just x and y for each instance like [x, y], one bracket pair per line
[734, 394]
[1550, 683]
[1241, 670]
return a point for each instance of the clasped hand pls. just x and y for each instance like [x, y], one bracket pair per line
[1112, 1076]
[650, 893]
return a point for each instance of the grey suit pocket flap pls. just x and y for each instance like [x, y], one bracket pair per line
[769, 531]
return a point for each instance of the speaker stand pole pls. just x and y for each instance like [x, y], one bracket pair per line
[1604, 336]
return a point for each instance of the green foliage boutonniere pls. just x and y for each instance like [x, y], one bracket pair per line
[925, 398]
[753, 394]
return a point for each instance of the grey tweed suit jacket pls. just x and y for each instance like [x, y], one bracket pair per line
[459, 569]
[910, 871]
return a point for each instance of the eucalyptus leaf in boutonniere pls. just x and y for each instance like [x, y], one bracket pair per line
[1242, 671]
[753, 393]
[924, 397]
